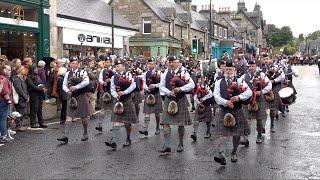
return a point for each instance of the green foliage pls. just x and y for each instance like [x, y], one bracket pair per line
[279, 36]
[314, 35]
[290, 50]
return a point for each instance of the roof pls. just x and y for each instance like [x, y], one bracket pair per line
[163, 8]
[249, 18]
[98, 13]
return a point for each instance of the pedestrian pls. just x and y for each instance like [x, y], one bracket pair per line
[175, 84]
[75, 82]
[124, 112]
[42, 75]
[63, 96]
[20, 86]
[5, 102]
[151, 83]
[230, 93]
[36, 91]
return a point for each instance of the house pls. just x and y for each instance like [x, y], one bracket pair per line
[165, 28]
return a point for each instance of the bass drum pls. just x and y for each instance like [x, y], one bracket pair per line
[287, 96]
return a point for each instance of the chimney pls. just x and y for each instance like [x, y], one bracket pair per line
[242, 6]
[186, 4]
[194, 8]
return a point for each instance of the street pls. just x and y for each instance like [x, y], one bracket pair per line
[290, 153]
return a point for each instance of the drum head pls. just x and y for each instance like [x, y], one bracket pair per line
[286, 92]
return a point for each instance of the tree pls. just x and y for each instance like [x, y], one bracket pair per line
[279, 37]
[301, 37]
[314, 35]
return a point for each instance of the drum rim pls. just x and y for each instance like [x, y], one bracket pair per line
[283, 90]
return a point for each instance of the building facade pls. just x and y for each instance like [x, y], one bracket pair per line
[25, 29]
[165, 28]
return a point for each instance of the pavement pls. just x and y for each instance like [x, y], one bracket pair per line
[290, 153]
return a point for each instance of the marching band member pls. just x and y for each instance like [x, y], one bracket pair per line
[276, 77]
[230, 93]
[122, 87]
[152, 103]
[203, 100]
[75, 83]
[105, 100]
[260, 85]
[175, 83]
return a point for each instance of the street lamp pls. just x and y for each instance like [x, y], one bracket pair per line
[112, 27]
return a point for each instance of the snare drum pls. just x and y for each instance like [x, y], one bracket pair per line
[287, 95]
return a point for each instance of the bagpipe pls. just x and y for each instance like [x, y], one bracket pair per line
[177, 81]
[201, 91]
[122, 83]
[272, 72]
[106, 97]
[258, 85]
[154, 78]
[234, 89]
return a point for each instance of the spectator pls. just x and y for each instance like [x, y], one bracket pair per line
[16, 64]
[42, 75]
[36, 91]
[21, 88]
[5, 101]
[63, 96]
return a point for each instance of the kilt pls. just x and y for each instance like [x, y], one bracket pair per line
[104, 105]
[129, 113]
[206, 116]
[274, 104]
[152, 109]
[238, 130]
[137, 97]
[261, 114]
[83, 110]
[182, 118]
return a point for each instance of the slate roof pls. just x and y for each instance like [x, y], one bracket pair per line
[95, 11]
[162, 7]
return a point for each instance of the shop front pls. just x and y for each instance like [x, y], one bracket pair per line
[151, 47]
[24, 29]
[83, 39]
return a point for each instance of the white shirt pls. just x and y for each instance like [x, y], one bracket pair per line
[128, 90]
[223, 102]
[263, 76]
[186, 88]
[83, 84]
[144, 79]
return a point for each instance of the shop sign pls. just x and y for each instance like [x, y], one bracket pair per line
[18, 14]
[93, 39]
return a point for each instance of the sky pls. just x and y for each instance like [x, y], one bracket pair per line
[301, 16]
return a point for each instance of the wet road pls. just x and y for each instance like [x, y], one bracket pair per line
[290, 153]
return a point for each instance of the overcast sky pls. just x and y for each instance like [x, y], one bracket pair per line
[301, 16]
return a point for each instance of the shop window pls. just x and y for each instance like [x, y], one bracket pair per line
[147, 25]
[216, 30]
[225, 33]
[220, 32]
[18, 13]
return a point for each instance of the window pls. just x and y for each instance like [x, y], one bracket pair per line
[225, 35]
[216, 30]
[147, 25]
[220, 32]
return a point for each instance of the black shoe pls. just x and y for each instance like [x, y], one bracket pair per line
[85, 138]
[34, 126]
[207, 136]
[221, 160]
[127, 144]
[234, 157]
[213, 125]
[259, 139]
[43, 126]
[180, 149]
[283, 114]
[192, 109]
[113, 145]
[277, 116]
[63, 139]
[194, 137]
[144, 133]
[99, 129]
[245, 143]
[165, 151]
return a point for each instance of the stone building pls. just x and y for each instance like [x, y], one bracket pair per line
[165, 28]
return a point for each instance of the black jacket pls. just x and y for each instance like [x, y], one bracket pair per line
[62, 94]
[35, 85]
[21, 88]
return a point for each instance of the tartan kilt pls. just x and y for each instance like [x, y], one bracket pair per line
[206, 116]
[261, 114]
[274, 104]
[137, 97]
[83, 110]
[104, 105]
[152, 109]
[129, 113]
[182, 118]
[240, 129]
